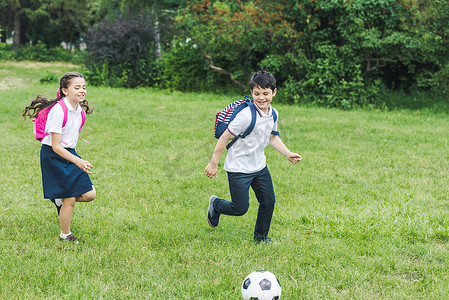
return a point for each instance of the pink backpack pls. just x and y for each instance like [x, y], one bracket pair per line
[41, 120]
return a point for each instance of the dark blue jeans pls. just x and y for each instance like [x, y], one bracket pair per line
[262, 186]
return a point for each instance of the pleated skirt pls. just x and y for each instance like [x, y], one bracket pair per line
[61, 178]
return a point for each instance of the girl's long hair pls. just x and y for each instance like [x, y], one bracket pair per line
[40, 102]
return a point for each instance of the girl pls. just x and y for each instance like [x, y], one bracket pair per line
[65, 176]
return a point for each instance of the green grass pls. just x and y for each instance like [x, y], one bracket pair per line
[363, 216]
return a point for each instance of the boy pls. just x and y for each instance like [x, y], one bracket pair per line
[246, 162]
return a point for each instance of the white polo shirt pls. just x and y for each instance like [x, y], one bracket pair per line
[247, 154]
[70, 132]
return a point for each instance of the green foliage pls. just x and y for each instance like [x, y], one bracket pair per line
[414, 100]
[217, 30]
[58, 21]
[335, 53]
[441, 80]
[51, 22]
[40, 52]
[333, 79]
[6, 52]
[330, 53]
[184, 69]
[121, 53]
[49, 77]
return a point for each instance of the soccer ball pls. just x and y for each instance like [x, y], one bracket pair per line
[261, 285]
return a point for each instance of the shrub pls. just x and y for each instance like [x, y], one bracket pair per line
[332, 79]
[49, 77]
[40, 52]
[330, 53]
[441, 80]
[184, 69]
[120, 53]
[6, 52]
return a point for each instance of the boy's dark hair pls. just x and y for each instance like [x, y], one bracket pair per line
[39, 103]
[263, 79]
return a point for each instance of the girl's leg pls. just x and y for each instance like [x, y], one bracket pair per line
[87, 197]
[65, 215]
[66, 212]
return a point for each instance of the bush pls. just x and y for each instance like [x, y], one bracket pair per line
[440, 81]
[49, 77]
[40, 52]
[6, 52]
[184, 69]
[330, 53]
[332, 79]
[120, 53]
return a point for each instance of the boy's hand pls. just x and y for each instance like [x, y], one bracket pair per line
[211, 170]
[294, 158]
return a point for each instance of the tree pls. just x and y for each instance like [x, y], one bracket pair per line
[50, 22]
[162, 13]
[12, 10]
[120, 52]
[334, 53]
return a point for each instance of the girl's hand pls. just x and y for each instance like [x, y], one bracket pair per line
[84, 165]
[211, 170]
[294, 158]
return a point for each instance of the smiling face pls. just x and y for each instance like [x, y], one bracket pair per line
[263, 97]
[76, 92]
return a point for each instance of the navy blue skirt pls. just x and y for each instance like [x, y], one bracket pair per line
[61, 178]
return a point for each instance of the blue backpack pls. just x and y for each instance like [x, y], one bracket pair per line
[226, 115]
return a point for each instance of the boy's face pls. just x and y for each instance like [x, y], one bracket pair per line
[263, 97]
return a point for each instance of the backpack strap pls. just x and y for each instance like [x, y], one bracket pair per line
[83, 119]
[253, 121]
[65, 110]
[275, 118]
[66, 114]
[250, 127]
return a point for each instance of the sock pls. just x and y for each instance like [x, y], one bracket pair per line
[63, 235]
[58, 202]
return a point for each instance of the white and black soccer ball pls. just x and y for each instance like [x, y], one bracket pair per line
[261, 285]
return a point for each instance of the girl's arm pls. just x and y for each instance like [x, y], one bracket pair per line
[276, 143]
[58, 149]
[212, 168]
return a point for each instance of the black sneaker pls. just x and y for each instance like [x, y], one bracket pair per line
[265, 240]
[213, 217]
[58, 207]
[70, 238]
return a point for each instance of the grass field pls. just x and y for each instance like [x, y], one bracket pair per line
[365, 215]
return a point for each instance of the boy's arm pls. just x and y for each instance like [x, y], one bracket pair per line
[276, 143]
[212, 168]
[58, 149]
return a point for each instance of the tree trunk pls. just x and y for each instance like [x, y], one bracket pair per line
[17, 31]
[2, 36]
[157, 39]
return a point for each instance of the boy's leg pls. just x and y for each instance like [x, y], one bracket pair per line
[65, 215]
[263, 188]
[239, 184]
